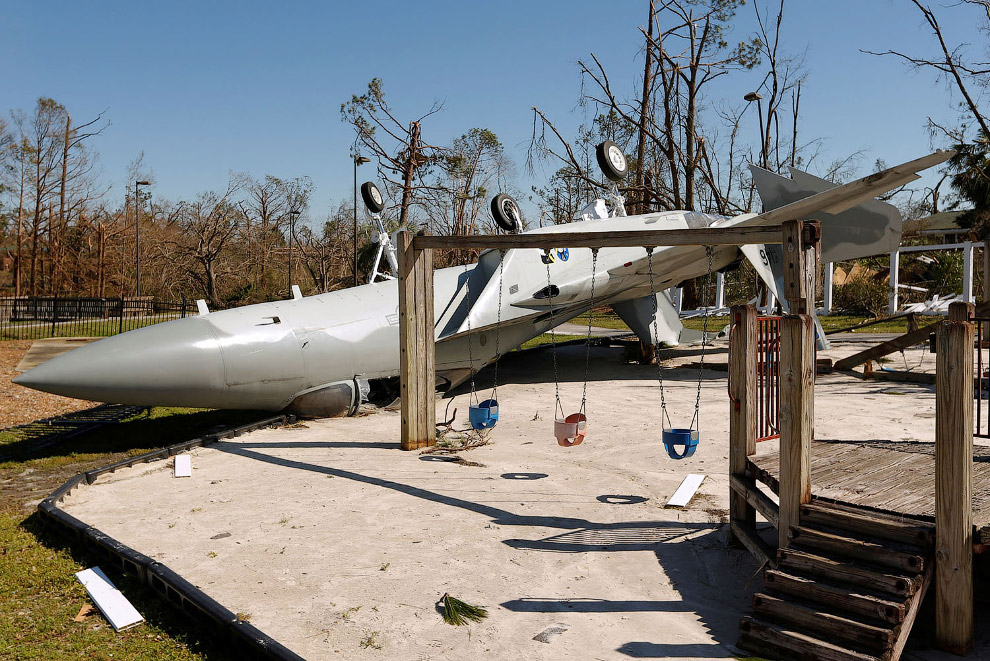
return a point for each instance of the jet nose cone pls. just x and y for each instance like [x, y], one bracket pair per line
[177, 363]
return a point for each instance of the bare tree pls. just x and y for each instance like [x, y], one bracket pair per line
[16, 169]
[686, 50]
[325, 255]
[952, 65]
[208, 225]
[398, 145]
[264, 211]
[465, 176]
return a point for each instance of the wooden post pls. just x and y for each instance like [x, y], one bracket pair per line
[954, 485]
[417, 351]
[795, 279]
[742, 411]
[797, 415]
[961, 311]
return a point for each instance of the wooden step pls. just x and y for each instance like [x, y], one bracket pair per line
[836, 599]
[794, 561]
[832, 627]
[782, 643]
[907, 532]
[857, 549]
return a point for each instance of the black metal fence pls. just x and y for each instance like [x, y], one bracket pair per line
[32, 318]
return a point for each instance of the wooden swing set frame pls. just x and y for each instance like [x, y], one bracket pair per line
[801, 256]
[417, 350]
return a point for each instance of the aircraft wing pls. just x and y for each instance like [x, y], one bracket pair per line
[841, 198]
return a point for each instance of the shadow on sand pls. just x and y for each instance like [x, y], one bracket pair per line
[711, 579]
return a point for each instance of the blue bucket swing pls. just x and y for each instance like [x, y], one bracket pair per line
[674, 438]
[484, 414]
[679, 442]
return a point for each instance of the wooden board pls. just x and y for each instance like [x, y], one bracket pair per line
[685, 492]
[182, 466]
[907, 490]
[111, 602]
[888, 347]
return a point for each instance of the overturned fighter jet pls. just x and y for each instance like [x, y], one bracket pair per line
[315, 356]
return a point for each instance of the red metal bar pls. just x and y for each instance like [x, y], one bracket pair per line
[768, 378]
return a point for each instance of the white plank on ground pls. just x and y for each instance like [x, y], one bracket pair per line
[183, 466]
[686, 491]
[111, 601]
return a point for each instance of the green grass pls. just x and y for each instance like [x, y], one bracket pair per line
[602, 318]
[836, 321]
[605, 318]
[544, 339]
[42, 595]
[141, 433]
[37, 564]
[34, 330]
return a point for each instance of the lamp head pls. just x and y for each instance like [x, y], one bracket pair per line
[753, 96]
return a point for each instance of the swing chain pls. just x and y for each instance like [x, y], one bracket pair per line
[553, 338]
[656, 340]
[467, 283]
[587, 349]
[498, 324]
[704, 343]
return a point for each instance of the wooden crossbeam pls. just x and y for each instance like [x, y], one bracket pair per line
[884, 348]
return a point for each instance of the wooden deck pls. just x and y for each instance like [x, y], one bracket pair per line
[892, 477]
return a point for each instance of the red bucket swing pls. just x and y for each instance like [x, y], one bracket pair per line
[571, 430]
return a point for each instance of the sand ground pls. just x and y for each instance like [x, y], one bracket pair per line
[338, 544]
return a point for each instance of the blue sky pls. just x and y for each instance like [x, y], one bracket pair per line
[203, 88]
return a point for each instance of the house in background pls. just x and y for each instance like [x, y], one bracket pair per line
[940, 227]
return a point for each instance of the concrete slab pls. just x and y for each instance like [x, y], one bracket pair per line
[48, 348]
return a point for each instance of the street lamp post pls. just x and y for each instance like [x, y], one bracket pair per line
[358, 160]
[755, 96]
[292, 232]
[137, 237]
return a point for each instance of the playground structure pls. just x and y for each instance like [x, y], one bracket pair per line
[848, 576]
[861, 532]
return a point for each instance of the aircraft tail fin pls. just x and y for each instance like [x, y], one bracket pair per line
[638, 315]
[854, 224]
[768, 260]
[868, 228]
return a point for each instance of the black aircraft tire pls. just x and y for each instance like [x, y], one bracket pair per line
[506, 213]
[612, 161]
[372, 197]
